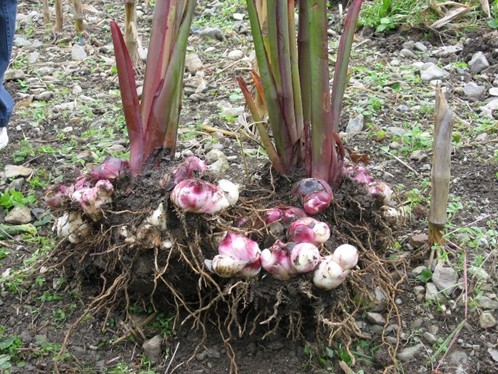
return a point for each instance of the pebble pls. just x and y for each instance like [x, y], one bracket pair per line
[19, 41]
[19, 215]
[418, 240]
[458, 357]
[193, 63]
[376, 318]
[236, 54]
[380, 302]
[407, 53]
[445, 279]
[409, 44]
[493, 353]
[431, 71]
[33, 57]
[78, 52]
[238, 16]
[395, 145]
[447, 51]
[473, 90]
[493, 91]
[409, 353]
[487, 303]
[418, 155]
[492, 105]
[419, 46]
[432, 293]
[14, 171]
[152, 348]
[429, 338]
[478, 63]
[487, 320]
[44, 96]
[399, 131]
[355, 125]
[213, 33]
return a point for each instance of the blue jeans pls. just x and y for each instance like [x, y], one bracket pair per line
[7, 29]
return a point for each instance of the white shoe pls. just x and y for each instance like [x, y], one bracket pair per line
[4, 138]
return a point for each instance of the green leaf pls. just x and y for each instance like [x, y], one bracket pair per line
[425, 276]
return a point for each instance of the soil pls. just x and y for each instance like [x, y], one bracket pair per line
[63, 303]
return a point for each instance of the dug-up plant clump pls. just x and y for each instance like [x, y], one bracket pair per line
[142, 248]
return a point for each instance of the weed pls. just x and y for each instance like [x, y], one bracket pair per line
[11, 198]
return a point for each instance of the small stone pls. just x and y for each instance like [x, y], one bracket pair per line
[409, 353]
[418, 270]
[395, 145]
[77, 89]
[447, 51]
[479, 273]
[399, 131]
[19, 41]
[33, 57]
[380, 301]
[355, 124]
[410, 44]
[429, 338]
[78, 53]
[487, 320]
[473, 90]
[493, 91]
[152, 348]
[193, 63]
[236, 54]
[407, 53]
[44, 96]
[219, 167]
[482, 137]
[445, 279]
[14, 171]
[418, 240]
[376, 318]
[19, 215]
[11, 75]
[478, 63]
[116, 148]
[487, 303]
[419, 46]
[488, 109]
[493, 353]
[458, 358]
[238, 16]
[418, 155]
[431, 71]
[213, 33]
[432, 293]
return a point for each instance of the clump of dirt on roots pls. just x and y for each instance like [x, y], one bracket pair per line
[166, 268]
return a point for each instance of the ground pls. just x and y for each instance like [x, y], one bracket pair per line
[68, 117]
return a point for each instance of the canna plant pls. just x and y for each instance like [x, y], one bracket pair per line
[153, 123]
[293, 81]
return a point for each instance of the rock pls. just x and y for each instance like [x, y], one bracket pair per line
[44, 96]
[487, 320]
[115, 148]
[409, 44]
[16, 184]
[482, 137]
[376, 318]
[398, 131]
[432, 293]
[493, 91]
[238, 16]
[479, 273]
[492, 105]
[152, 348]
[419, 46]
[19, 41]
[407, 53]
[380, 302]
[445, 279]
[493, 353]
[19, 215]
[33, 57]
[418, 240]
[473, 90]
[478, 63]
[193, 63]
[458, 358]
[236, 54]
[213, 33]
[418, 156]
[14, 171]
[219, 167]
[11, 75]
[487, 303]
[355, 124]
[447, 51]
[429, 338]
[78, 53]
[431, 71]
[409, 353]
[395, 145]
[77, 90]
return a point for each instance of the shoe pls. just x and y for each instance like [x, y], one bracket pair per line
[4, 138]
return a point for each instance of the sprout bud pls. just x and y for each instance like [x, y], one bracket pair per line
[276, 261]
[72, 227]
[316, 194]
[309, 230]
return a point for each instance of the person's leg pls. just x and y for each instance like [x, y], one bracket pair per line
[7, 29]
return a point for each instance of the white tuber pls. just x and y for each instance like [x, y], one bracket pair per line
[329, 274]
[346, 255]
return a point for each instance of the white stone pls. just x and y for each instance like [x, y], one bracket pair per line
[19, 215]
[236, 54]
[445, 279]
[14, 171]
[193, 63]
[78, 53]
[431, 71]
[355, 124]
[478, 63]
[471, 89]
